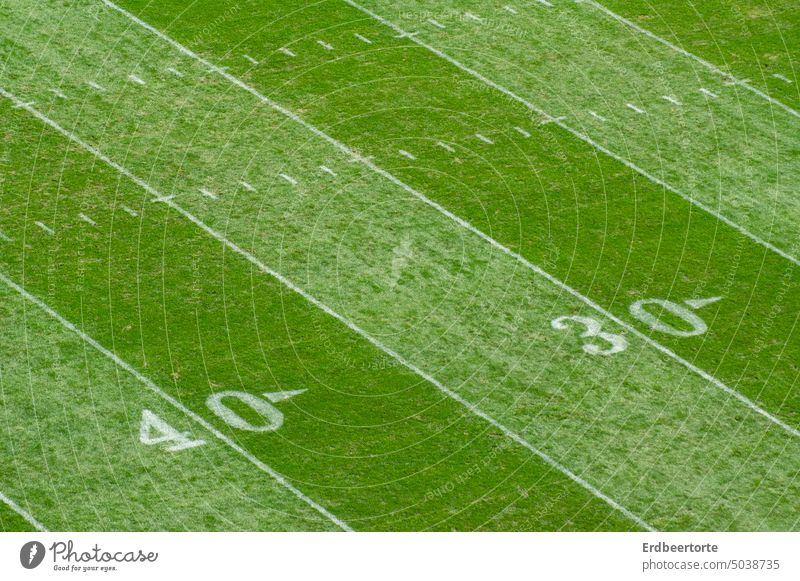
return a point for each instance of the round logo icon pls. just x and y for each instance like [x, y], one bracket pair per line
[31, 554]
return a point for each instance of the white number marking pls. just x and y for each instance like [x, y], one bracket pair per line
[697, 326]
[265, 409]
[593, 329]
[153, 430]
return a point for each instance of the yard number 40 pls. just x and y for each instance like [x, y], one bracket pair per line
[155, 431]
[603, 343]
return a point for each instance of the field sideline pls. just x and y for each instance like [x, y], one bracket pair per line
[375, 266]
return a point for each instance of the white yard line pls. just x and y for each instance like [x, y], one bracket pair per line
[87, 219]
[406, 154]
[710, 66]
[446, 147]
[327, 170]
[460, 221]
[583, 137]
[23, 513]
[288, 178]
[314, 301]
[45, 227]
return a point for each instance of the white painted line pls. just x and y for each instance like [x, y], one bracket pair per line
[162, 199]
[672, 100]
[5, 237]
[404, 153]
[327, 170]
[324, 45]
[247, 186]
[522, 132]
[95, 86]
[484, 139]
[288, 178]
[583, 137]
[58, 93]
[316, 302]
[780, 77]
[362, 38]
[460, 221]
[700, 303]
[29, 103]
[510, 9]
[598, 116]
[137, 80]
[708, 93]
[87, 219]
[445, 146]
[147, 382]
[44, 227]
[548, 119]
[130, 211]
[23, 513]
[286, 51]
[474, 18]
[279, 396]
[633, 107]
[250, 59]
[407, 34]
[209, 194]
[545, 3]
[436, 23]
[725, 75]
[174, 71]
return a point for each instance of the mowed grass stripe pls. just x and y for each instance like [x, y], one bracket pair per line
[634, 423]
[71, 447]
[754, 42]
[600, 65]
[653, 246]
[380, 447]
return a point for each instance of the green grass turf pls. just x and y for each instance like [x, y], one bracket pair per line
[752, 39]
[71, 452]
[10, 521]
[371, 441]
[644, 429]
[589, 220]
[733, 152]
